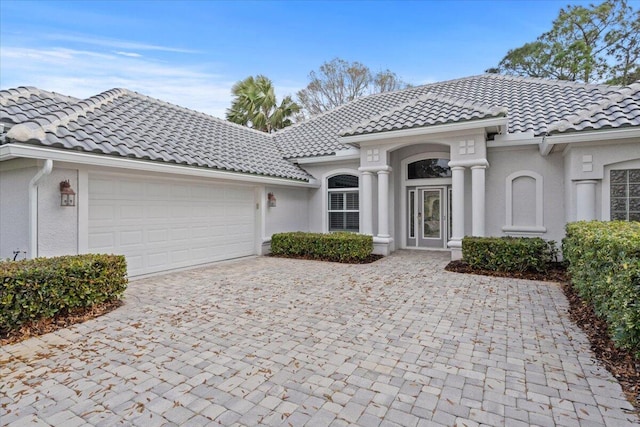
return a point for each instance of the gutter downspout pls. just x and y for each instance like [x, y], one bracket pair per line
[33, 207]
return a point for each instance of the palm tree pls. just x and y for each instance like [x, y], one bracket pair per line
[255, 105]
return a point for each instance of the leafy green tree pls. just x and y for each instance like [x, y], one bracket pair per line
[255, 105]
[584, 44]
[338, 82]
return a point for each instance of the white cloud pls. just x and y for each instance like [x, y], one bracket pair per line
[129, 54]
[116, 44]
[84, 73]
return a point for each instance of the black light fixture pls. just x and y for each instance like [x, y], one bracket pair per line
[271, 200]
[67, 195]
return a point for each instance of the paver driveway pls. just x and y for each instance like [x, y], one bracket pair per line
[276, 341]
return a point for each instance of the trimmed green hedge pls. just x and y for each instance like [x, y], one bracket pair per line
[338, 247]
[513, 254]
[604, 263]
[43, 287]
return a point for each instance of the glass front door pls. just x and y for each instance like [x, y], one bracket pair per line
[427, 223]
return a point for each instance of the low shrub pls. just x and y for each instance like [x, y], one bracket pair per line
[338, 247]
[44, 287]
[604, 263]
[512, 254]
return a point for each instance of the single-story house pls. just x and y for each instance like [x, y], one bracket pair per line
[418, 168]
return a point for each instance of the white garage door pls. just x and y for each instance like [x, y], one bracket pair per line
[164, 224]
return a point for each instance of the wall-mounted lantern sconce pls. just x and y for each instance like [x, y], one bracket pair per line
[271, 200]
[67, 195]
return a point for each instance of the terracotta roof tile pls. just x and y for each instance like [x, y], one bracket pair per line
[127, 124]
[532, 105]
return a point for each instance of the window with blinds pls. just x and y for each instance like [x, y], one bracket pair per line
[344, 203]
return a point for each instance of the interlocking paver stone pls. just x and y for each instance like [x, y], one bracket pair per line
[277, 341]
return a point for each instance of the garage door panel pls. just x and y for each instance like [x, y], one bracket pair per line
[157, 235]
[178, 234]
[135, 263]
[158, 259]
[131, 212]
[155, 210]
[160, 224]
[101, 212]
[129, 238]
[103, 189]
[101, 240]
[131, 189]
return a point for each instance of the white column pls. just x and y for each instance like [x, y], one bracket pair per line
[477, 200]
[457, 216]
[586, 200]
[383, 203]
[366, 205]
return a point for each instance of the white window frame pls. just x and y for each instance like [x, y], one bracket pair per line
[344, 191]
[627, 196]
[606, 184]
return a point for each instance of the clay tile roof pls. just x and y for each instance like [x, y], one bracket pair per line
[618, 110]
[123, 123]
[26, 103]
[426, 110]
[532, 105]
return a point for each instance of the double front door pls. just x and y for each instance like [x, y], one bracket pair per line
[428, 219]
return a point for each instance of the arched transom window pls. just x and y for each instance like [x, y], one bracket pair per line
[429, 168]
[344, 203]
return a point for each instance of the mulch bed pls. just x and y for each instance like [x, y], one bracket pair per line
[621, 363]
[44, 326]
[557, 272]
[368, 260]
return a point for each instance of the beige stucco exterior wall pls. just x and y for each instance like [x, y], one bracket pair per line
[291, 212]
[57, 225]
[592, 161]
[14, 208]
[514, 160]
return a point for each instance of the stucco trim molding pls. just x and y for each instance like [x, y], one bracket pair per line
[12, 151]
[510, 227]
[549, 141]
[468, 163]
[324, 187]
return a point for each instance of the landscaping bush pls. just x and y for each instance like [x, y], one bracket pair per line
[512, 254]
[339, 247]
[604, 263]
[43, 287]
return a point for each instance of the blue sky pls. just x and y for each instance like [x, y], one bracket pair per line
[191, 53]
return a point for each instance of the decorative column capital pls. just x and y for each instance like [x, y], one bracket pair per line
[369, 173]
[384, 172]
[374, 168]
[468, 163]
[478, 167]
[458, 168]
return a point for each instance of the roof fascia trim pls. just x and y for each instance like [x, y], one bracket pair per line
[549, 141]
[11, 151]
[515, 140]
[428, 130]
[325, 159]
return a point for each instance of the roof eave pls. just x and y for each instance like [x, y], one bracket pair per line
[350, 153]
[428, 130]
[16, 150]
[550, 141]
